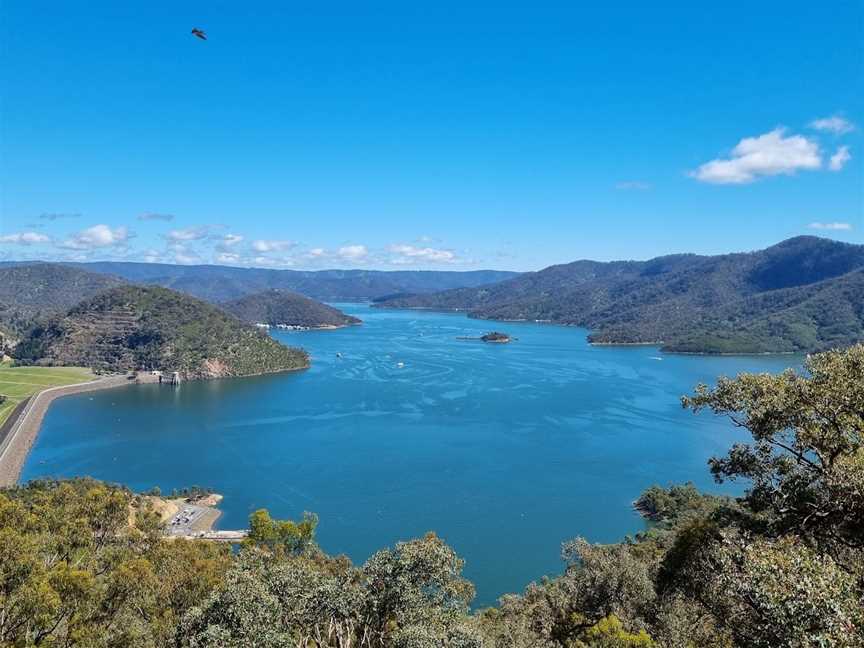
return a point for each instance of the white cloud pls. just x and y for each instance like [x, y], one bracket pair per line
[227, 242]
[189, 234]
[265, 246]
[25, 238]
[410, 254]
[186, 257]
[316, 253]
[830, 226]
[839, 159]
[353, 252]
[835, 124]
[270, 262]
[633, 185]
[766, 155]
[152, 256]
[228, 257]
[156, 217]
[98, 236]
[231, 239]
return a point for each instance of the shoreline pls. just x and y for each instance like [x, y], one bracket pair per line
[302, 328]
[736, 353]
[659, 345]
[186, 518]
[15, 446]
[23, 433]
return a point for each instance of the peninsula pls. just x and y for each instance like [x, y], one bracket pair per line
[130, 328]
[286, 309]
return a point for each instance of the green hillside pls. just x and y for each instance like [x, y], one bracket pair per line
[31, 291]
[812, 318]
[773, 300]
[281, 307]
[133, 327]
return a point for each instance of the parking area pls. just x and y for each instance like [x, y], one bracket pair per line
[185, 522]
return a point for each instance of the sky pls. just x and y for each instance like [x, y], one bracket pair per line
[426, 135]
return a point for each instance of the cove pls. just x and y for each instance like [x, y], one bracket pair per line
[505, 451]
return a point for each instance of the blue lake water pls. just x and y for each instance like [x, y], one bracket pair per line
[504, 450]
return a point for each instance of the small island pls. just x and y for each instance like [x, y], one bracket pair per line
[496, 337]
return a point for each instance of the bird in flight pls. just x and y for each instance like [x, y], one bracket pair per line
[200, 34]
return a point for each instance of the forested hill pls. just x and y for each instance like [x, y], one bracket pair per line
[825, 315]
[223, 283]
[133, 327]
[275, 307]
[31, 291]
[803, 294]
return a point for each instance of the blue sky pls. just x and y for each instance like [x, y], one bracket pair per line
[447, 135]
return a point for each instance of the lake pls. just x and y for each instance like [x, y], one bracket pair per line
[505, 451]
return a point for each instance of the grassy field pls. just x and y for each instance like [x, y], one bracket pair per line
[17, 383]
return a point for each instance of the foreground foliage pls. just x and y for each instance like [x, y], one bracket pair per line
[84, 564]
[783, 566]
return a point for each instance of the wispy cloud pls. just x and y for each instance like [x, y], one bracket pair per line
[57, 216]
[834, 124]
[830, 226]
[156, 217]
[353, 252]
[152, 256]
[231, 239]
[187, 258]
[271, 262]
[839, 159]
[183, 254]
[98, 236]
[227, 242]
[269, 245]
[228, 257]
[189, 233]
[410, 254]
[25, 238]
[633, 185]
[771, 154]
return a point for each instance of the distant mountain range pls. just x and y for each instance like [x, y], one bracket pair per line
[34, 290]
[223, 283]
[281, 307]
[131, 327]
[804, 294]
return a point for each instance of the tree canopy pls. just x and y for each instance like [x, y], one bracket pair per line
[83, 564]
